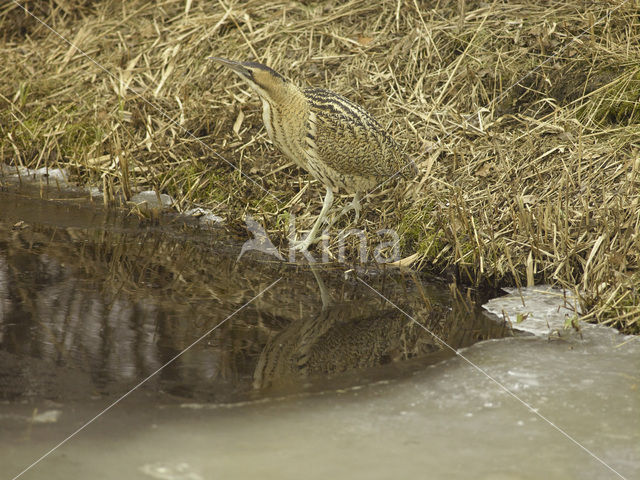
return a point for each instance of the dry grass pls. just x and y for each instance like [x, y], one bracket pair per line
[524, 118]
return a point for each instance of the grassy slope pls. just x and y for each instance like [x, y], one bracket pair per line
[524, 118]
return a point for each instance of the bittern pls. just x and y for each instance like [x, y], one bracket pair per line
[337, 141]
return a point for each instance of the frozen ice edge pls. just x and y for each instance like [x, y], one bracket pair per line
[540, 310]
[144, 199]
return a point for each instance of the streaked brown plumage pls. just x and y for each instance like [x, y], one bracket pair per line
[335, 140]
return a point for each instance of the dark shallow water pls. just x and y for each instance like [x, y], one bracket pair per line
[93, 301]
[317, 375]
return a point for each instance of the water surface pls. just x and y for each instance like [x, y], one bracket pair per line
[317, 377]
[94, 300]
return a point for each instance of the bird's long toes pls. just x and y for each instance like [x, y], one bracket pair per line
[301, 245]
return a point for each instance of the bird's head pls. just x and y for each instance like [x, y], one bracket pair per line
[265, 81]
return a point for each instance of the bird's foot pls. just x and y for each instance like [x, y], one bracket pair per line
[304, 244]
[300, 245]
[353, 205]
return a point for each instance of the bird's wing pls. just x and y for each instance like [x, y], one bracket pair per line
[349, 139]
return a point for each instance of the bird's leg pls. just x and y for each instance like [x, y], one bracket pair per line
[311, 236]
[324, 293]
[353, 205]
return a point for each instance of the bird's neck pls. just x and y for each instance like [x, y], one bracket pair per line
[288, 94]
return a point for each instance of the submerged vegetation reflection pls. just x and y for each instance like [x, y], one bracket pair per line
[93, 301]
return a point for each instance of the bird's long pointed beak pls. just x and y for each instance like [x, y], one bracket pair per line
[235, 66]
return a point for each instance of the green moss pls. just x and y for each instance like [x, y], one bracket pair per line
[430, 245]
[81, 136]
[411, 230]
[203, 185]
[616, 103]
[418, 235]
